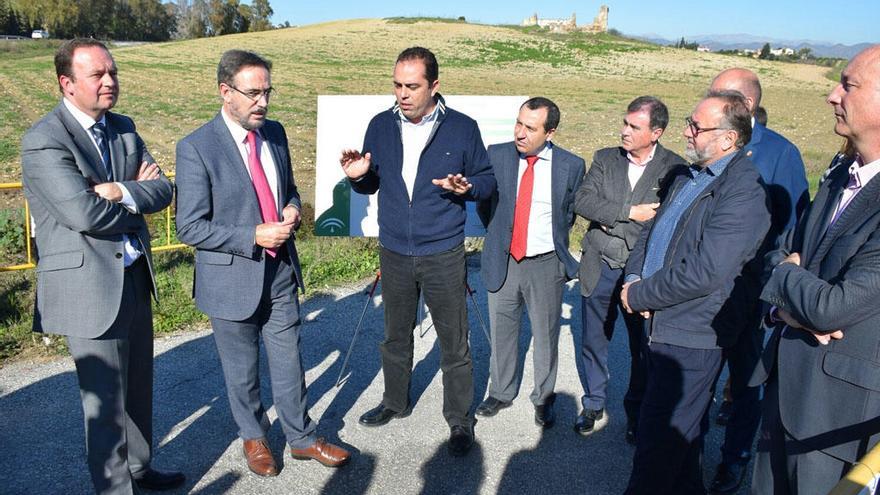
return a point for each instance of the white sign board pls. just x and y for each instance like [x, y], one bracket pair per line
[342, 123]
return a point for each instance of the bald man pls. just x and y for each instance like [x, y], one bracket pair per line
[780, 165]
[821, 364]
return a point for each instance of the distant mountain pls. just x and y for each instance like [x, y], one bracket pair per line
[742, 41]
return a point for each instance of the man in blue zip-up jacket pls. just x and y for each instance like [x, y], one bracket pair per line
[680, 276]
[427, 160]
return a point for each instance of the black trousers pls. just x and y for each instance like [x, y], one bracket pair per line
[441, 278]
[673, 421]
[745, 412]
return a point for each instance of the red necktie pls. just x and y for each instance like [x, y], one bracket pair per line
[521, 212]
[268, 205]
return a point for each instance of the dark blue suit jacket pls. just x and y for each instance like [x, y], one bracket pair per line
[218, 211]
[567, 172]
[829, 395]
[715, 238]
[780, 165]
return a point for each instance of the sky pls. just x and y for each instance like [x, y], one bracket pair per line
[851, 22]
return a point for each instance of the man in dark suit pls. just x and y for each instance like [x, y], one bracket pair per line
[238, 206]
[621, 192]
[525, 257]
[89, 180]
[680, 276]
[821, 364]
[780, 165]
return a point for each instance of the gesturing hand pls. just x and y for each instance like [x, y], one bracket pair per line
[353, 164]
[457, 183]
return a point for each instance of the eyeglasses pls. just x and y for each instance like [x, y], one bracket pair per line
[695, 128]
[255, 94]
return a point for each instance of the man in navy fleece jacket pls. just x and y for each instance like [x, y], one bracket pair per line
[427, 160]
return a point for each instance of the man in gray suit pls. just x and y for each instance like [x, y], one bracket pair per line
[525, 257]
[620, 193]
[821, 364]
[237, 204]
[89, 180]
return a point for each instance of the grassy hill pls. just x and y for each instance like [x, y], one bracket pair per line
[170, 89]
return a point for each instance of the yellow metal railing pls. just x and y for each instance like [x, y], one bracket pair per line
[29, 257]
[861, 476]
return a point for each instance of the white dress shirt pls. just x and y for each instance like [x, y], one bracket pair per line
[540, 240]
[239, 135]
[131, 253]
[636, 169]
[414, 137]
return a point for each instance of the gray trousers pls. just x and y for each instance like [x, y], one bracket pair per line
[538, 283]
[115, 373]
[277, 320]
[783, 466]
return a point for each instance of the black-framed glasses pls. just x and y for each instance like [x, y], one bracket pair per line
[695, 128]
[255, 94]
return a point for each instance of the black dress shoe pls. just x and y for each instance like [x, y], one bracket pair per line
[588, 421]
[160, 480]
[380, 415]
[728, 478]
[545, 417]
[491, 406]
[723, 416]
[461, 439]
[631, 426]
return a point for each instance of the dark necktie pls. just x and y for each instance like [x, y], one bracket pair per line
[854, 184]
[99, 131]
[520, 235]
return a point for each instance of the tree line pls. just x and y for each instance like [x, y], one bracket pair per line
[134, 20]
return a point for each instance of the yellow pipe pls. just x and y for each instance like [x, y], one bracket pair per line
[861, 475]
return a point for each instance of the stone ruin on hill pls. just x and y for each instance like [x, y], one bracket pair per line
[599, 25]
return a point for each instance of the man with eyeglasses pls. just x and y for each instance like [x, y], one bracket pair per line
[680, 276]
[780, 165]
[238, 205]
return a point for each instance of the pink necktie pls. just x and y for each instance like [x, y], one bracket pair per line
[268, 206]
[518, 241]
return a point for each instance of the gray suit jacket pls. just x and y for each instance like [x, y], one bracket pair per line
[605, 198]
[218, 211]
[79, 234]
[829, 396]
[567, 171]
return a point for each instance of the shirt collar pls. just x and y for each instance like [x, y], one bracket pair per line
[84, 120]
[715, 168]
[545, 154]
[431, 117]
[239, 133]
[650, 157]
[864, 172]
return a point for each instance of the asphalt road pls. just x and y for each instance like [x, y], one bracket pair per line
[41, 430]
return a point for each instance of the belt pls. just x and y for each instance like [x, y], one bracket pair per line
[538, 256]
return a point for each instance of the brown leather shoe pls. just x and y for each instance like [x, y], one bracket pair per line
[259, 457]
[322, 451]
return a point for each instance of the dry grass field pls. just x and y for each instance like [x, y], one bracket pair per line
[170, 89]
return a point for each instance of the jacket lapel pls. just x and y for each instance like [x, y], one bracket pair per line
[227, 144]
[863, 205]
[280, 166]
[825, 203]
[94, 168]
[650, 177]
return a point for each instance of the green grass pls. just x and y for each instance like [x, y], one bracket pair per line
[413, 20]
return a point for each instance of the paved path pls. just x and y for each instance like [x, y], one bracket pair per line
[41, 420]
